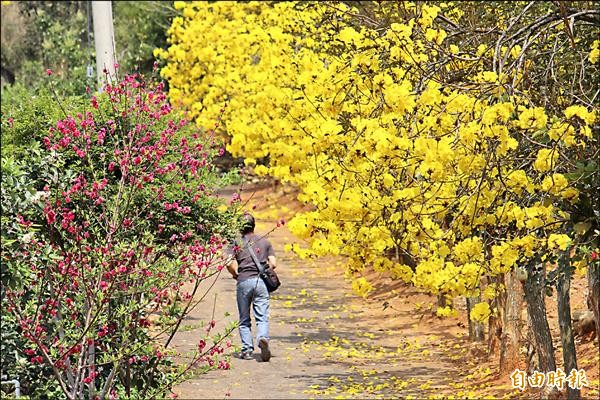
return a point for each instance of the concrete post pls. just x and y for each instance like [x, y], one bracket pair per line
[104, 40]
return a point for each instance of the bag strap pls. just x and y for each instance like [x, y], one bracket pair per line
[253, 255]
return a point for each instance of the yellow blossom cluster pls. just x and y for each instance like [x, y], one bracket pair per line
[436, 183]
[481, 312]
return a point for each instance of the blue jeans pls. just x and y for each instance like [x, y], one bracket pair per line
[253, 292]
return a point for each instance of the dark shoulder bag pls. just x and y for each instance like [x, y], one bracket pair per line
[266, 273]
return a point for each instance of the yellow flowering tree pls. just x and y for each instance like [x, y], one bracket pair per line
[436, 142]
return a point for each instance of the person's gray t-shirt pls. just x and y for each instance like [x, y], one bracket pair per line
[246, 266]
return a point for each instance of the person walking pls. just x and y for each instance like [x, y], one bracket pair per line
[251, 290]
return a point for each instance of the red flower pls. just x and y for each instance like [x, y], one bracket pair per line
[37, 360]
[50, 216]
[48, 72]
[594, 256]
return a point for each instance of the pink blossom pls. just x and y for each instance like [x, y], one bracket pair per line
[50, 216]
[23, 222]
[48, 72]
[37, 360]
[29, 352]
[223, 365]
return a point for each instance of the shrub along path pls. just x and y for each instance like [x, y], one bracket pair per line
[327, 342]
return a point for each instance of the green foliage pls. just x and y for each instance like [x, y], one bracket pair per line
[52, 35]
[151, 20]
[40, 35]
[231, 177]
[125, 180]
[27, 114]
[20, 192]
[34, 379]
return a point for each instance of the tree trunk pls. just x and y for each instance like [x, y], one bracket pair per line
[563, 285]
[534, 296]
[92, 368]
[532, 364]
[593, 275]
[476, 333]
[509, 343]
[441, 300]
[495, 322]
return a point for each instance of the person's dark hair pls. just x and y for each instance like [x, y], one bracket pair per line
[248, 224]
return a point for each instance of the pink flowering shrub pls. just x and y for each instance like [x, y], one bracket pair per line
[120, 236]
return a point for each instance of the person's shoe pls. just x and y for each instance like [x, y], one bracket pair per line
[265, 353]
[246, 355]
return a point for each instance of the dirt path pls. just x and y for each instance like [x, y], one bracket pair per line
[329, 343]
[326, 342]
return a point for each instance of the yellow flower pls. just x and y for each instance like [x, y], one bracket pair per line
[555, 183]
[546, 159]
[595, 52]
[490, 76]
[581, 112]
[481, 312]
[179, 5]
[518, 180]
[515, 51]
[570, 194]
[261, 170]
[559, 241]
[535, 118]
[489, 293]
[361, 287]
[445, 312]
[349, 35]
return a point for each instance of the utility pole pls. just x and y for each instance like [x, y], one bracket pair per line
[104, 40]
